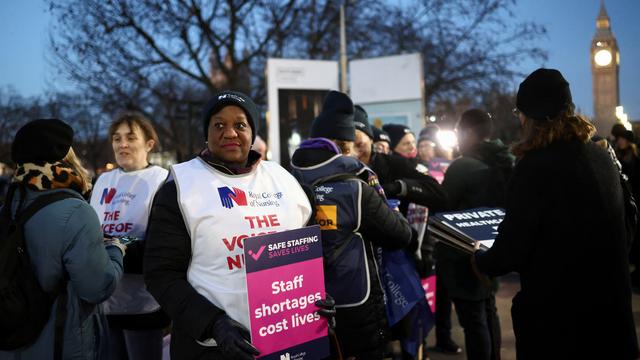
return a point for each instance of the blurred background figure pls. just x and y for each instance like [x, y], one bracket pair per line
[260, 146]
[426, 151]
[627, 154]
[478, 178]
[381, 141]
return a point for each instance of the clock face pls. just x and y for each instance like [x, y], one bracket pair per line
[603, 57]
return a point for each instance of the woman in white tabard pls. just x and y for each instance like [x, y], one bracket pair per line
[122, 199]
[192, 264]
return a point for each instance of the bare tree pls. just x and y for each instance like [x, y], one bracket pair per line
[165, 58]
[467, 45]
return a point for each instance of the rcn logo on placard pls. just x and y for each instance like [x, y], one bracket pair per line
[107, 195]
[285, 357]
[228, 197]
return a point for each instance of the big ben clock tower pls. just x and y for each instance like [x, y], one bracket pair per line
[605, 63]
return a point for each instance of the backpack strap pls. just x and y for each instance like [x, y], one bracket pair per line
[22, 216]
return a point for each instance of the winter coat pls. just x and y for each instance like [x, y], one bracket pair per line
[478, 178]
[64, 238]
[564, 233]
[361, 329]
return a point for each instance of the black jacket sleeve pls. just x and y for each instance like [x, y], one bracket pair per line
[380, 224]
[166, 261]
[415, 186]
[517, 232]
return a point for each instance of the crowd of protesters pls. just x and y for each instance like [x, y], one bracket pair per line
[569, 229]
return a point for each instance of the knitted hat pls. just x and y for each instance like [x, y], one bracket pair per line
[380, 135]
[618, 129]
[225, 98]
[543, 94]
[396, 133]
[628, 134]
[42, 140]
[362, 121]
[335, 120]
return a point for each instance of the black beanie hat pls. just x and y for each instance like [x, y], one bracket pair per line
[543, 94]
[362, 121]
[628, 134]
[396, 133]
[618, 129]
[380, 135]
[228, 97]
[46, 140]
[335, 120]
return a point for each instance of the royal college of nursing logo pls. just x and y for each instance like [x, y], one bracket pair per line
[107, 195]
[228, 197]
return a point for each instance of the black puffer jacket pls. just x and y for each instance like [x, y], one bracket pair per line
[363, 330]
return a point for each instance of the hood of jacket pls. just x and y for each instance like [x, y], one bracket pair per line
[493, 153]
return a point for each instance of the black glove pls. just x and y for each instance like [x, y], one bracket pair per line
[233, 339]
[327, 310]
[392, 189]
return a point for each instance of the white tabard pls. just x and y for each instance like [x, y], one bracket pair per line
[222, 210]
[122, 201]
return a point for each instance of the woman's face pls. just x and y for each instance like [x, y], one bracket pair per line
[426, 150]
[381, 147]
[622, 143]
[229, 136]
[362, 146]
[407, 145]
[130, 147]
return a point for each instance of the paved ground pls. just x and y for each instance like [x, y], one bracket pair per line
[509, 285]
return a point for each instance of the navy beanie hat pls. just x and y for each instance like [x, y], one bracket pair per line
[396, 133]
[362, 121]
[543, 94]
[46, 140]
[380, 135]
[335, 120]
[228, 97]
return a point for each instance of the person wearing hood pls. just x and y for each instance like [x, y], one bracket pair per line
[353, 218]
[477, 178]
[564, 232]
[198, 279]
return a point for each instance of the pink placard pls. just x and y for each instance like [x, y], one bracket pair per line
[429, 286]
[285, 277]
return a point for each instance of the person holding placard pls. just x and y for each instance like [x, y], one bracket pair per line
[564, 233]
[194, 263]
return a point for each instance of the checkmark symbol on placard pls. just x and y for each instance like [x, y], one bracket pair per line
[257, 255]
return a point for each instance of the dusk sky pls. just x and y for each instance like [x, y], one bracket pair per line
[570, 24]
